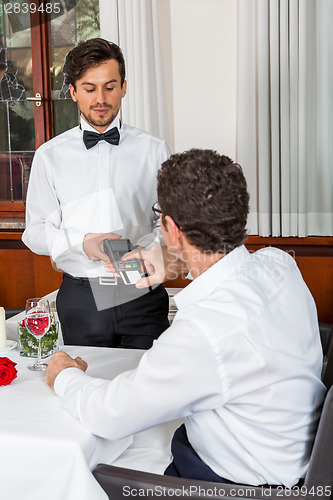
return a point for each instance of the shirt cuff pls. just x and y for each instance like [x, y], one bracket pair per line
[149, 240]
[68, 376]
[63, 242]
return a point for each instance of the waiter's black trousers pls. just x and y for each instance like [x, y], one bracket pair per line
[102, 315]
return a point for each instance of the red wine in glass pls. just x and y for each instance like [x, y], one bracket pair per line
[38, 322]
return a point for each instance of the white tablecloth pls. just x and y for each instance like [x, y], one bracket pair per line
[46, 453]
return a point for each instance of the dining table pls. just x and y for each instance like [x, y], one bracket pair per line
[47, 453]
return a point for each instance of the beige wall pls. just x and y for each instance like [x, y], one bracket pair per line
[199, 44]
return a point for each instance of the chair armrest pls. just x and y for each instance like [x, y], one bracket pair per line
[326, 337]
[121, 483]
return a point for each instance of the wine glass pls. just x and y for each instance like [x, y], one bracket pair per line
[38, 322]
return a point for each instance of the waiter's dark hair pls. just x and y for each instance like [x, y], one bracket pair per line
[205, 193]
[92, 53]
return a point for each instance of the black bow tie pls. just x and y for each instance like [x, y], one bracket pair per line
[90, 139]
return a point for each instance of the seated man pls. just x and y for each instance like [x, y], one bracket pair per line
[241, 362]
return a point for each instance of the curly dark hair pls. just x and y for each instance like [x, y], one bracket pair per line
[92, 53]
[205, 193]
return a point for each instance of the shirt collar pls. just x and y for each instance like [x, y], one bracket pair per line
[220, 272]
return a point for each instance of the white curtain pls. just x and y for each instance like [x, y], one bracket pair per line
[285, 115]
[134, 26]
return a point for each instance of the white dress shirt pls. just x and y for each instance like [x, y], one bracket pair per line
[74, 191]
[241, 363]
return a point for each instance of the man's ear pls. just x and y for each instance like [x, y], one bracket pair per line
[123, 89]
[73, 92]
[173, 230]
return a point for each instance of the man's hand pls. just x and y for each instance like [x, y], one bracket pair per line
[59, 362]
[161, 265]
[92, 245]
[129, 255]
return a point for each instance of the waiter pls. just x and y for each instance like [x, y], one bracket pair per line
[94, 182]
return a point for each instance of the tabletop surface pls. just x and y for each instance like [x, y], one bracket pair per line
[44, 449]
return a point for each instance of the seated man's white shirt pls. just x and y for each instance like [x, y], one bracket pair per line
[241, 363]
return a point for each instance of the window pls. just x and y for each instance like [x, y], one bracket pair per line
[34, 100]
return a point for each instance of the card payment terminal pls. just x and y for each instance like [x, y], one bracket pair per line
[130, 270]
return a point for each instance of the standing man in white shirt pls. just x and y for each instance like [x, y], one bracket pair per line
[242, 360]
[94, 182]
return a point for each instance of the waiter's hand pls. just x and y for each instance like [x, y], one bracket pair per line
[160, 263]
[92, 245]
[59, 362]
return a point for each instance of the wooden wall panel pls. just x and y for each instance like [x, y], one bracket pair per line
[177, 283]
[317, 273]
[24, 274]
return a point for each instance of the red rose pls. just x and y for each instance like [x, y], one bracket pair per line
[7, 371]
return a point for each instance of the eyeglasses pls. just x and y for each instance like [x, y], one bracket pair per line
[156, 210]
[159, 212]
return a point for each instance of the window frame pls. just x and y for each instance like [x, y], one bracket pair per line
[41, 81]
